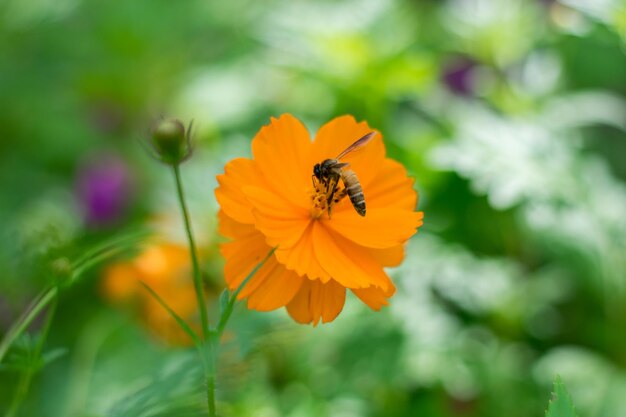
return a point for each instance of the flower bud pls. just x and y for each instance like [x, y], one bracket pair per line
[170, 141]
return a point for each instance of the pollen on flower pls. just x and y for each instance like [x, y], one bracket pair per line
[321, 199]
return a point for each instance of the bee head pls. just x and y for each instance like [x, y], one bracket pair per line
[317, 171]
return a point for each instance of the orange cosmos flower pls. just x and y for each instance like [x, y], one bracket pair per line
[165, 268]
[272, 200]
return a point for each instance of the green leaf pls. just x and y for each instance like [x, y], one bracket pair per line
[17, 363]
[24, 361]
[561, 403]
[170, 389]
[52, 355]
[224, 298]
[183, 325]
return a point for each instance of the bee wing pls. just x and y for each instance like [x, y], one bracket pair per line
[358, 144]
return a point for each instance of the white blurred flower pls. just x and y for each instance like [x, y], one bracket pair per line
[500, 31]
[539, 74]
[223, 96]
[581, 109]
[49, 222]
[434, 333]
[610, 12]
[603, 10]
[508, 160]
[538, 164]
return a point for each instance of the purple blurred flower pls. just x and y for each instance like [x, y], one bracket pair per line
[458, 75]
[103, 189]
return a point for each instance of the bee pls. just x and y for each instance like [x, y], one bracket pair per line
[330, 171]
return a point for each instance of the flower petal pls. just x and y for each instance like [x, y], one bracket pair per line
[238, 173]
[277, 289]
[337, 135]
[316, 301]
[280, 221]
[120, 283]
[349, 264]
[375, 297]
[380, 228]
[301, 257]
[281, 151]
[266, 202]
[242, 255]
[269, 268]
[389, 257]
[391, 188]
[232, 229]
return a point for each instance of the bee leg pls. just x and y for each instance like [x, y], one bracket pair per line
[331, 196]
[340, 195]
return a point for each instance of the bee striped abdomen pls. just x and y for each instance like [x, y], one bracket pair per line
[327, 174]
[354, 190]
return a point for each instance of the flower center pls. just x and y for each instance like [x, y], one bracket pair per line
[324, 196]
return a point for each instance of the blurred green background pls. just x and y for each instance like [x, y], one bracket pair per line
[510, 114]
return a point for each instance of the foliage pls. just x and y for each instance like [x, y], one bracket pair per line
[508, 113]
[561, 403]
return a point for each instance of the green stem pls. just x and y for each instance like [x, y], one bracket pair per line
[209, 361]
[210, 394]
[213, 342]
[44, 298]
[20, 393]
[122, 242]
[26, 319]
[27, 376]
[210, 373]
[46, 327]
[197, 277]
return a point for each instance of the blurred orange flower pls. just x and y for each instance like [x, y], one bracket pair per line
[165, 268]
[270, 201]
